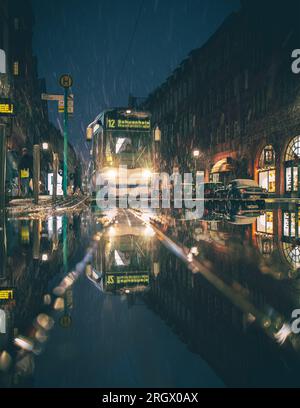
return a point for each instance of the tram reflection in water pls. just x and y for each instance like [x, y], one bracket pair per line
[123, 261]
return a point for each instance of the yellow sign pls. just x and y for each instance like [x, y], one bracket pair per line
[61, 105]
[135, 124]
[6, 109]
[24, 173]
[127, 279]
[25, 234]
[7, 294]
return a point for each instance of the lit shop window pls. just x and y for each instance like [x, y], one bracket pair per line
[291, 179]
[292, 157]
[266, 169]
[265, 223]
[291, 224]
[16, 68]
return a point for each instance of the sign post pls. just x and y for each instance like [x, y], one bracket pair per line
[36, 172]
[55, 171]
[66, 82]
[2, 168]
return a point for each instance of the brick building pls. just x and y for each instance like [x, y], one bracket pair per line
[22, 85]
[236, 100]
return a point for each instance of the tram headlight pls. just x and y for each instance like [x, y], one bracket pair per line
[147, 173]
[112, 232]
[111, 173]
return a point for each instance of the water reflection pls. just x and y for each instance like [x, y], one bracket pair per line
[123, 260]
[225, 285]
[32, 262]
[243, 272]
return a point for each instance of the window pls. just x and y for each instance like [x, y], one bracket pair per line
[293, 149]
[266, 169]
[265, 223]
[292, 254]
[291, 224]
[292, 157]
[16, 68]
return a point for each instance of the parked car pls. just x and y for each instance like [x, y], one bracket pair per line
[220, 196]
[210, 188]
[243, 193]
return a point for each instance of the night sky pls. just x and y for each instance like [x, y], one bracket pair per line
[116, 47]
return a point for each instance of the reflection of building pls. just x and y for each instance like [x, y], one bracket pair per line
[211, 326]
[236, 99]
[267, 169]
[278, 232]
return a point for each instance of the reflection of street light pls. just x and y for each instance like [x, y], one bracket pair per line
[157, 134]
[46, 147]
[45, 257]
[196, 155]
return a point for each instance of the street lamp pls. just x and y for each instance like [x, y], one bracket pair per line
[196, 153]
[45, 146]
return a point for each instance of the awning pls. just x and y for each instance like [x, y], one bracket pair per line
[222, 166]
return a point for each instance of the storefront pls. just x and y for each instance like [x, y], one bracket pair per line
[265, 233]
[290, 237]
[267, 169]
[291, 166]
[222, 171]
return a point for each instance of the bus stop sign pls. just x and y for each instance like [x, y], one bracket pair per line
[66, 81]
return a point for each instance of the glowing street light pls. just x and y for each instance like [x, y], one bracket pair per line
[196, 153]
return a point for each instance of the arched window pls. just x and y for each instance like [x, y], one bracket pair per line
[291, 163]
[292, 254]
[293, 149]
[267, 170]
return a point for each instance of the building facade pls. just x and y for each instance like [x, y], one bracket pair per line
[22, 86]
[236, 101]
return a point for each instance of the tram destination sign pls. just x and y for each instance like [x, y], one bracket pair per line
[122, 279]
[116, 122]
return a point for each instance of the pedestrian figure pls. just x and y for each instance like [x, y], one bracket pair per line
[77, 180]
[25, 173]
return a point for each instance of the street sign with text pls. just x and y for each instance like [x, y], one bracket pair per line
[7, 294]
[66, 81]
[61, 105]
[51, 97]
[7, 108]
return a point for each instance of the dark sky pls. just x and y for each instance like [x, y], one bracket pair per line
[116, 47]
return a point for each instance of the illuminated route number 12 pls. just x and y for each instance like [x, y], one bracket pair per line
[111, 123]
